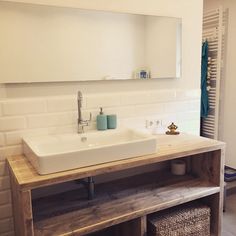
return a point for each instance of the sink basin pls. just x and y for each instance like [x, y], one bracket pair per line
[55, 153]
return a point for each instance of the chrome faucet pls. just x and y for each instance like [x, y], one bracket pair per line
[81, 122]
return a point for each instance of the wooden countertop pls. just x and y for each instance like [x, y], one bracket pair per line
[169, 147]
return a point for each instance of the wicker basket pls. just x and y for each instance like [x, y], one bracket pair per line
[186, 220]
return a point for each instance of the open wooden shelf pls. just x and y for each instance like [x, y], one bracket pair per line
[116, 202]
[120, 207]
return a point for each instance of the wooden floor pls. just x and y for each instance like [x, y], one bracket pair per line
[229, 219]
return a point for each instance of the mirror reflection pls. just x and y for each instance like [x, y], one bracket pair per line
[62, 44]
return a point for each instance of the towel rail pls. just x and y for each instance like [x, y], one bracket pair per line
[214, 22]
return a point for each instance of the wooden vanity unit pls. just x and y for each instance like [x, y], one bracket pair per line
[121, 206]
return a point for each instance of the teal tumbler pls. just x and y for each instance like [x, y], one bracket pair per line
[111, 121]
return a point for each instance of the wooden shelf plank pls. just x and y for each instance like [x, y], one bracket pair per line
[116, 202]
[169, 147]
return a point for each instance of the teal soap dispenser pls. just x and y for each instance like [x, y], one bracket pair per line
[101, 121]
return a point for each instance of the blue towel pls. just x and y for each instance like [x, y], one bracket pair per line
[204, 92]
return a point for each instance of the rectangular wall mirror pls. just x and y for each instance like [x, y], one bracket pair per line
[48, 44]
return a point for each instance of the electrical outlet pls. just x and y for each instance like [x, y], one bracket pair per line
[149, 124]
[158, 122]
[153, 123]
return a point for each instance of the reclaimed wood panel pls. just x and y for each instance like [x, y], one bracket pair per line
[169, 147]
[137, 227]
[213, 202]
[22, 207]
[210, 166]
[121, 206]
[76, 199]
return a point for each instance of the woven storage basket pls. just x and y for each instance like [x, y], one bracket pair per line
[186, 220]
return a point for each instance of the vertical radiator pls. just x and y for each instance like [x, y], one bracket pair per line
[214, 23]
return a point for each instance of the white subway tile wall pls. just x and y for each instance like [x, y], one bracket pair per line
[23, 106]
[12, 123]
[2, 140]
[59, 104]
[3, 169]
[51, 119]
[53, 115]
[10, 151]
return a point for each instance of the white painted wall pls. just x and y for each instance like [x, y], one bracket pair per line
[227, 131]
[134, 100]
[211, 4]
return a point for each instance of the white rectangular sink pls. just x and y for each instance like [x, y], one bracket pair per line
[55, 153]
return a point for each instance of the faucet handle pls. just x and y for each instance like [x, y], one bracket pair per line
[79, 96]
[90, 117]
[89, 120]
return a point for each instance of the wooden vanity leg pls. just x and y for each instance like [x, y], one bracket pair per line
[141, 226]
[22, 210]
[210, 166]
[136, 227]
[213, 202]
[216, 200]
